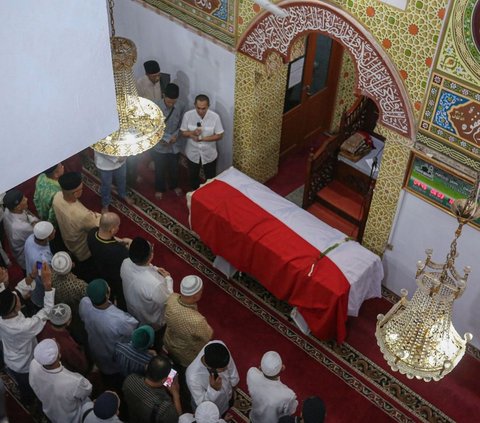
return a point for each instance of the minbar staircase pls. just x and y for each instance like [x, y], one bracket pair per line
[335, 192]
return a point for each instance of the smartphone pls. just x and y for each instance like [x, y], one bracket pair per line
[39, 268]
[168, 382]
[214, 373]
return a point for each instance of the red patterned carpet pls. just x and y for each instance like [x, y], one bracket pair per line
[353, 378]
[246, 321]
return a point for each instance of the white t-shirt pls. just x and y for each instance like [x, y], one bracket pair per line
[206, 151]
[106, 162]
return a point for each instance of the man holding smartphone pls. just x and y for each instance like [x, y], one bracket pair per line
[37, 250]
[149, 398]
[170, 378]
[213, 376]
[18, 333]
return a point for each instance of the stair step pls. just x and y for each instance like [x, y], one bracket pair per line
[331, 218]
[342, 198]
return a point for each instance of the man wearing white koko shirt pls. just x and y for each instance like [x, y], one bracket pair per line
[61, 391]
[271, 399]
[203, 128]
[213, 376]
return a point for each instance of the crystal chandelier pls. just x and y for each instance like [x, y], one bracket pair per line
[417, 337]
[141, 120]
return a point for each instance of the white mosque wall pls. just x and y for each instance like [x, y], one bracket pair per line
[195, 63]
[419, 225]
[57, 88]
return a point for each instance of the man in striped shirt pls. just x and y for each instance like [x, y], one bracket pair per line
[133, 356]
[148, 398]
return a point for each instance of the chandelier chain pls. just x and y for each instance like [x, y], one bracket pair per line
[470, 206]
[112, 21]
[141, 120]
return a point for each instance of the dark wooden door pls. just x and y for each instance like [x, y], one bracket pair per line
[311, 88]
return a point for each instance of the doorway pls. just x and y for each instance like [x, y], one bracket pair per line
[310, 93]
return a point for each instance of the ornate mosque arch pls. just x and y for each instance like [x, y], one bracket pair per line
[376, 76]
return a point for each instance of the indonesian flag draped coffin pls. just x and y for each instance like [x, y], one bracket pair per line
[256, 242]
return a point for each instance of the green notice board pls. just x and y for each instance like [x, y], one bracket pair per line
[436, 183]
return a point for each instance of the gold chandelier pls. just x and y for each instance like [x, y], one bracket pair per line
[141, 120]
[417, 337]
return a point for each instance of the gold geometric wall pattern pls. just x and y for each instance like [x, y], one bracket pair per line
[247, 10]
[389, 134]
[298, 48]
[449, 125]
[259, 96]
[445, 154]
[459, 53]
[260, 160]
[409, 37]
[387, 190]
[377, 77]
[451, 63]
[345, 97]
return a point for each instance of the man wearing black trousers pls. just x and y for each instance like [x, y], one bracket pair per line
[203, 128]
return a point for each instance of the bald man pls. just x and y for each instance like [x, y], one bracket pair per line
[108, 252]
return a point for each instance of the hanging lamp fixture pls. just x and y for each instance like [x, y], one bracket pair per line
[141, 120]
[417, 337]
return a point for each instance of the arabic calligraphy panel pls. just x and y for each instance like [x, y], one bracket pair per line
[452, 115]
[375, 79]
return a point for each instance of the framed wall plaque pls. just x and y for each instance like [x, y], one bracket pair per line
[436, 183]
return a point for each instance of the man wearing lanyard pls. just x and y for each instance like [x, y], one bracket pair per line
[166, 152]
[202, 128]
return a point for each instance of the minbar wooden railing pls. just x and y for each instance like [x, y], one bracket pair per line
[328, 178]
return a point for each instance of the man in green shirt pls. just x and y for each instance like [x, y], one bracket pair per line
[46, 187]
